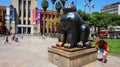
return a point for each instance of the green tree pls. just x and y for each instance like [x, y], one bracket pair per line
[85, 16]
[102, 20]
[63, 2]
[44, 4]
[111, 30]
[56, 23]
[49, 25]
[58, 6]
[115, 19]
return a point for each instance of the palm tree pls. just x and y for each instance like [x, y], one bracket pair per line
[63, 2]
[44, 5]
[53, 2]
[58, 7]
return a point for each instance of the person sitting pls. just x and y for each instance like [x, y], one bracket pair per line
[102, 49]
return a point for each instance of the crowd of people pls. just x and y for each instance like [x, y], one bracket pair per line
[13, 37]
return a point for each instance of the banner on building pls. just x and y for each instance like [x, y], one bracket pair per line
[13, 15]
[34, 16]
[7, 17]
[38, 17]
[8, 11]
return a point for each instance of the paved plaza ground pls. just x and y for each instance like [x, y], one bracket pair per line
[31, 51]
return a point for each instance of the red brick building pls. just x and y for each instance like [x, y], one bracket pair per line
[2, 18]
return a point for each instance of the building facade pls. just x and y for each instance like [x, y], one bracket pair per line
[113, 8]
[30, 20]
[24, 21]
[2, 18]
[45, 16]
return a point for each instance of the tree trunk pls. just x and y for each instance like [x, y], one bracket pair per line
[44, 23]
[50, 29]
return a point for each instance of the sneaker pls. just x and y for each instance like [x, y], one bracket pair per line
[103, 61]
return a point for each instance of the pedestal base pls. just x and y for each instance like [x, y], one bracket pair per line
[74, 57]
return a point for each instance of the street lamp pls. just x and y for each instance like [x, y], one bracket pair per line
[91, 6]
[85, 4]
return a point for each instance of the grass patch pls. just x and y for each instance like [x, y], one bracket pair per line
[114, 45]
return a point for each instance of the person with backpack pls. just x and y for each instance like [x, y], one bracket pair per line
[102, 47]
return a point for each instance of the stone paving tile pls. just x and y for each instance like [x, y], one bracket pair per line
[31, 51]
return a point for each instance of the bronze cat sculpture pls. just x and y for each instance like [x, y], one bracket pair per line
[73, 30]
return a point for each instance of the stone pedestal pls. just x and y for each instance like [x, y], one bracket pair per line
[74, 57]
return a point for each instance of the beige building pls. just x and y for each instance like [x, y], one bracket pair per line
[113, 8]
[24, 8]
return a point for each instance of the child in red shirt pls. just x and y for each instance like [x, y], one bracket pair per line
[102, 49]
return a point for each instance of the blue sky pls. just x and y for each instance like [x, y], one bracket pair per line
[79, 3]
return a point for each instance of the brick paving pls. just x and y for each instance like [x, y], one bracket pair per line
[31, 51]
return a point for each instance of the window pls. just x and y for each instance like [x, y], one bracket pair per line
[19, 22]
[24, 22]
[0, 12]
[28, 22]
[20, 7]
[24, 8]
[0, 18]
[29, 5]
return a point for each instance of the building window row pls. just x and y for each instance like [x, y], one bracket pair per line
[24, 8]
[29, 5]
[24, 22]
[109, 7]
[0, 12]
[20, 7]
[0, 18]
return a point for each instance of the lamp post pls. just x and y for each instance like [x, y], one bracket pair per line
[85, 4]
[90, 7]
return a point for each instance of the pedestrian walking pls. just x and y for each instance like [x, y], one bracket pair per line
[6, 39]
[16, 38]
[13, 37]
[102, 47]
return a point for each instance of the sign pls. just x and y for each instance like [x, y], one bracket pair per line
[34, 16]
[38, 17]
